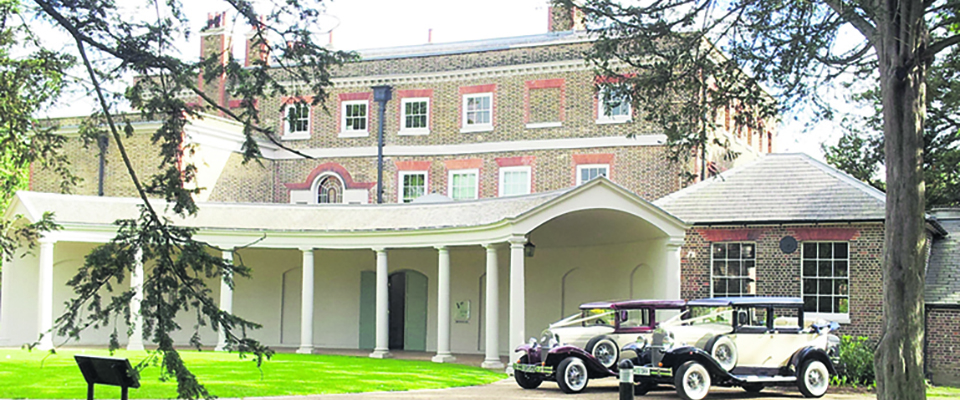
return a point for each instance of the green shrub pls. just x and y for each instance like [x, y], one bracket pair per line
[856, 362]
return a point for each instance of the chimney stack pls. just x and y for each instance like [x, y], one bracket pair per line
[560, 19]
[215, 42]
[258, 52]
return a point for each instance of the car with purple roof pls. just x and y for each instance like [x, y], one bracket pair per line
[587, 345]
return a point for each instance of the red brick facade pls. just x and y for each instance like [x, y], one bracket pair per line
[943, 345]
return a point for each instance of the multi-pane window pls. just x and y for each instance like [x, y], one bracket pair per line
[588, 172]
[477, 111]
[412, 185]
[414, 115]
[329, 190]
[826, 281]
[733, 269]
[296, 119]
[612, 106]
[514, 181]
[354, 116]
[463, 184]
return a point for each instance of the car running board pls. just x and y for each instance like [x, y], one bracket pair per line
[766, 379]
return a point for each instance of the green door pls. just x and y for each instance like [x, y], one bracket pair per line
[415, 312]
[368, 310]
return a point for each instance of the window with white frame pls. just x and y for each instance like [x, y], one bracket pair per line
[612, 107]
[296, 121]
[415, 115]
[588, 172]
[353, 119]
[463, 184]
[329, 190]
[413, 184]
[733, 272]
[514, 181]
[826, 282]
[478, 112]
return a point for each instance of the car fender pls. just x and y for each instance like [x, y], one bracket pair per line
[636, 348]
[532, 352]
[595, 369]
[809, 352]
[675, 357]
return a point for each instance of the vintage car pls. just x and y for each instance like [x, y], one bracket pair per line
[750, 342]
[587, 345]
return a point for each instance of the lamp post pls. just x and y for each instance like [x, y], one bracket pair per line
[381, 94]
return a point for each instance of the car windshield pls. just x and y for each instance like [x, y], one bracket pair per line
[709, 316]
[597, 316]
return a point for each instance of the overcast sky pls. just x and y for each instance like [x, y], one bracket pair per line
[364, 24]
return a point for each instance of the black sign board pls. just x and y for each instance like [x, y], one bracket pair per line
[107, 371]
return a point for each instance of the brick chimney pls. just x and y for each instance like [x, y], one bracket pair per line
[257, 50]
[215, 42]
[561, 19]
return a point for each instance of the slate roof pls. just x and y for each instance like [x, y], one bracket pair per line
[473, 46]
[777, 188]
[92, 210]
[943, 270]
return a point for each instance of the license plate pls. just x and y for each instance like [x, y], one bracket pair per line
[645, 371]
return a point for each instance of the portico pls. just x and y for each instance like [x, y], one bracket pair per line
[443, 278]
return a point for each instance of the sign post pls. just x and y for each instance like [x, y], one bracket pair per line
[107, 371]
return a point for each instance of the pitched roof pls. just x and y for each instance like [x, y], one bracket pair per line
[777, 188]
[943, 270]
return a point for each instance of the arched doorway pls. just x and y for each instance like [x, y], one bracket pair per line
[407, 294]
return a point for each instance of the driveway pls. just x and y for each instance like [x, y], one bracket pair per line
[605, 389]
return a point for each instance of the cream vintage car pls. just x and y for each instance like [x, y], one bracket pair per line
[750, 342]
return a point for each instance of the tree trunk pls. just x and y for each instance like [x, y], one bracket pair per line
[900, 41]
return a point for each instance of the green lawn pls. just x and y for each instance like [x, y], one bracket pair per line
[937, 392]
[225, 375]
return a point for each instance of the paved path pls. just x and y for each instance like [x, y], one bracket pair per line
[604, 389]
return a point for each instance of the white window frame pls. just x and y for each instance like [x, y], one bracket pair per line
[343, 119]
[315, 187]
[582, 167]
[299, 135]
[602, 118]
[403, 174]
[843, 318]
[502, 181]
[465, 128]
[743, 267]
[403, 116]
[476, 188]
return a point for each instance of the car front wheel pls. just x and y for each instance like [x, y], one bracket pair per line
[692, 381]
[605, 350]
[814, 379]
[724, 351]
[572, 375]
[527, 380]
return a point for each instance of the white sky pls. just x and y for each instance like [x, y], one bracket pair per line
[364, 24]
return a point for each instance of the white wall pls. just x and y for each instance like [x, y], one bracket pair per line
[18, 304]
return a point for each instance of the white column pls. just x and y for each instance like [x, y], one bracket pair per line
[306, 304]
[226, 301]
[517, 294]
[491, 358]
[672, 268]
[382, 347]
[443, 307]
[135, 341]
[45, 294]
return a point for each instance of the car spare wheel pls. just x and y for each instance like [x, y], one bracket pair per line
[814, 379]
[572, 375]
[692, 381]
[724, 351]
[605, 349]
[527, 380]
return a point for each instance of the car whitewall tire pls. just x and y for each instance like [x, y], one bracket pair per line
[605, 350]
[725, 352]
[814, 379]
[572, 375]
[692, 381]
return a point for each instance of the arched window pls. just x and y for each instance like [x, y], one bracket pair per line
[329, 190]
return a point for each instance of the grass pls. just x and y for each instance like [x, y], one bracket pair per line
[943, 392]
[226, 375]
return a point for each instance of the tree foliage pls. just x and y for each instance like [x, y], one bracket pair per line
[859, 152]
[793, 48]
[114, 42]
